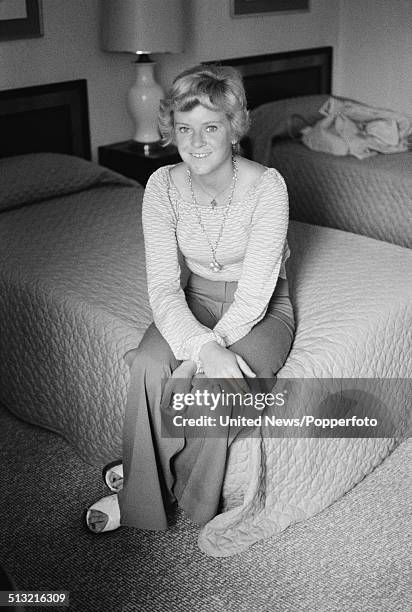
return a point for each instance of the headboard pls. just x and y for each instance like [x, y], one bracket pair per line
[52, 118]
[284, 75]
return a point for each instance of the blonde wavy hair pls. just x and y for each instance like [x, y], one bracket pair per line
[215, 87]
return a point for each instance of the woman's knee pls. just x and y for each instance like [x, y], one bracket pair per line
[265, 349]
[130, 356]
[153, 355]
[151, 362]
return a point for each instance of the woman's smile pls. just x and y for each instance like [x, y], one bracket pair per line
[204, 140]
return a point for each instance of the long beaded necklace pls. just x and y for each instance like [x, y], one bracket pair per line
[214, 265]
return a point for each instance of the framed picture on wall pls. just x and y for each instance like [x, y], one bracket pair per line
[20, 19]
[250, 8]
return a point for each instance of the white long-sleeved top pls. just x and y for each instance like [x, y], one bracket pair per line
[252, 250]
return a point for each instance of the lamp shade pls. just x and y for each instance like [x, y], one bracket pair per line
[142, 26]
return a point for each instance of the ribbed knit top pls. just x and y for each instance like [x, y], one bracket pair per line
[252, 250]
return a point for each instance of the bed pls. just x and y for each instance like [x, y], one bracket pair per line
[73, 302]
[371, 196]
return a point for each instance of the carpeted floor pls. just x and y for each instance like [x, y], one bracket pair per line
[355, 556]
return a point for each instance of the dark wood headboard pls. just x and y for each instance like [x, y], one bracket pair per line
[284, 75]
[52, 118]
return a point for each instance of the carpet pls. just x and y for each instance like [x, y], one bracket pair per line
[356, 555]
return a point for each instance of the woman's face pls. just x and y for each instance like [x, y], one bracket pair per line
[204, 139]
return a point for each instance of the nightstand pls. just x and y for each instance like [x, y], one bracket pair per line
[129, 158]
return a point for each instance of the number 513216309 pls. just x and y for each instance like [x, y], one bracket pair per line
[34, 598]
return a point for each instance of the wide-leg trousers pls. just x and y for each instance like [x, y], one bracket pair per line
[158, 470]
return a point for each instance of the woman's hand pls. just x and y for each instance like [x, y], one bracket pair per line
[220, 362]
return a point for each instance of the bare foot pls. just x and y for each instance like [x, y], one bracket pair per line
[113, 476]
[104, 515]
[115, 480]
[96, 520]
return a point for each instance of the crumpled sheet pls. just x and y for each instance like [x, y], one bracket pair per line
[353, 128]
[273, 120]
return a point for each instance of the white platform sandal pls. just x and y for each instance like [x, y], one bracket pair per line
[115, 468]
[109, 507]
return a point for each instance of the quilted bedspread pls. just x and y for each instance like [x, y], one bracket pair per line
[353, 301]
[73, 298]
[73, 301]
[372, 197]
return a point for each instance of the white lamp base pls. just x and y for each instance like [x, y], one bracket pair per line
[143, 102]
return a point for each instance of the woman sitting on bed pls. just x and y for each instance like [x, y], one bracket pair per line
[228, 217]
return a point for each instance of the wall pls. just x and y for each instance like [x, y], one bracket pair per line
[213, 34]
[70, 50]
[375, 53]
[372, 40]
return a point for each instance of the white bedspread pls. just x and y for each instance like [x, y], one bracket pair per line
[353, 298]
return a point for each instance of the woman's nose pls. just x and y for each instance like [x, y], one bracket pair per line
[198, 138]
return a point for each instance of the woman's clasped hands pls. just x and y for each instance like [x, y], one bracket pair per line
[220, 362]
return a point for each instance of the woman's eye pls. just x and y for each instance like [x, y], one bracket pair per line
[182, 129]
[211, 128]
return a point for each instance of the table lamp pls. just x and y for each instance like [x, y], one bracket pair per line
[142, 27]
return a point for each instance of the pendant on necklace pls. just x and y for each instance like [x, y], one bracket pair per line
[213, 204]
[215, 266]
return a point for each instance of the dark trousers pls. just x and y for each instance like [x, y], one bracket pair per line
[160, 470]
